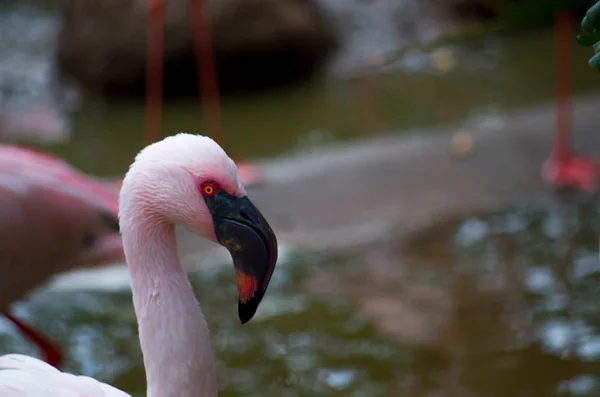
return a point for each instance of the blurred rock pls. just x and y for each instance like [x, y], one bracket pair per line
[466, 10]
[258, 43]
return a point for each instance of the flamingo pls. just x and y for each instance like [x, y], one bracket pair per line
[53, 218]
[187, 180]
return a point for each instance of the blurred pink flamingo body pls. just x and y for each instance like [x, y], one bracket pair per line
[53, 218]
[188, 180]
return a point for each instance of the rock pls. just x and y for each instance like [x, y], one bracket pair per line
[467, 10]
[258, 43]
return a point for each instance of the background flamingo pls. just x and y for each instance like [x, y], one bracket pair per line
[188, 180]
[52, 219]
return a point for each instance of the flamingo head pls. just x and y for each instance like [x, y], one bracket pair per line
[189, 180]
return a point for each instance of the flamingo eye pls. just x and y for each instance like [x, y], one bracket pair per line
[208, 189]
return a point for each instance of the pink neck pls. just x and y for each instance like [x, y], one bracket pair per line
[174, 337]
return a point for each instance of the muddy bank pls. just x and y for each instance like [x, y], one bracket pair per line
[453, 270]
[383, 187]
[351, 198]
[477, 262]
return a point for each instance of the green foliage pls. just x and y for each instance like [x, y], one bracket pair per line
[591, 33]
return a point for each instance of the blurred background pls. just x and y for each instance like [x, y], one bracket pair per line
[402, 145]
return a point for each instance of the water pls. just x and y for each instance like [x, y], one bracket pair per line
[523, 284]
[518, 289]
[297, 345]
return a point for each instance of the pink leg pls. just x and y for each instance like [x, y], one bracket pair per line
[565, 169]
[53, 354]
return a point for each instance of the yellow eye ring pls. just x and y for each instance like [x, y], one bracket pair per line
[209, 189]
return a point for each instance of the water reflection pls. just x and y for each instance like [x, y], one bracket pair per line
[524, 284]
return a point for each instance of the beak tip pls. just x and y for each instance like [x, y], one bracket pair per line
[246, 311]
[243, 321]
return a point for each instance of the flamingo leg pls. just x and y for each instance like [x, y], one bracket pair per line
[565, 169]
[53, 354]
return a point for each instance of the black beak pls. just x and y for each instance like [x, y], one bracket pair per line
[241, 228]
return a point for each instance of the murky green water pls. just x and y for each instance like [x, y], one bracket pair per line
[492, 75]
[524, 284]
[296, 346]
[521, 288]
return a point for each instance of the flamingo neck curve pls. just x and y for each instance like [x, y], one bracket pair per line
[174, 336]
